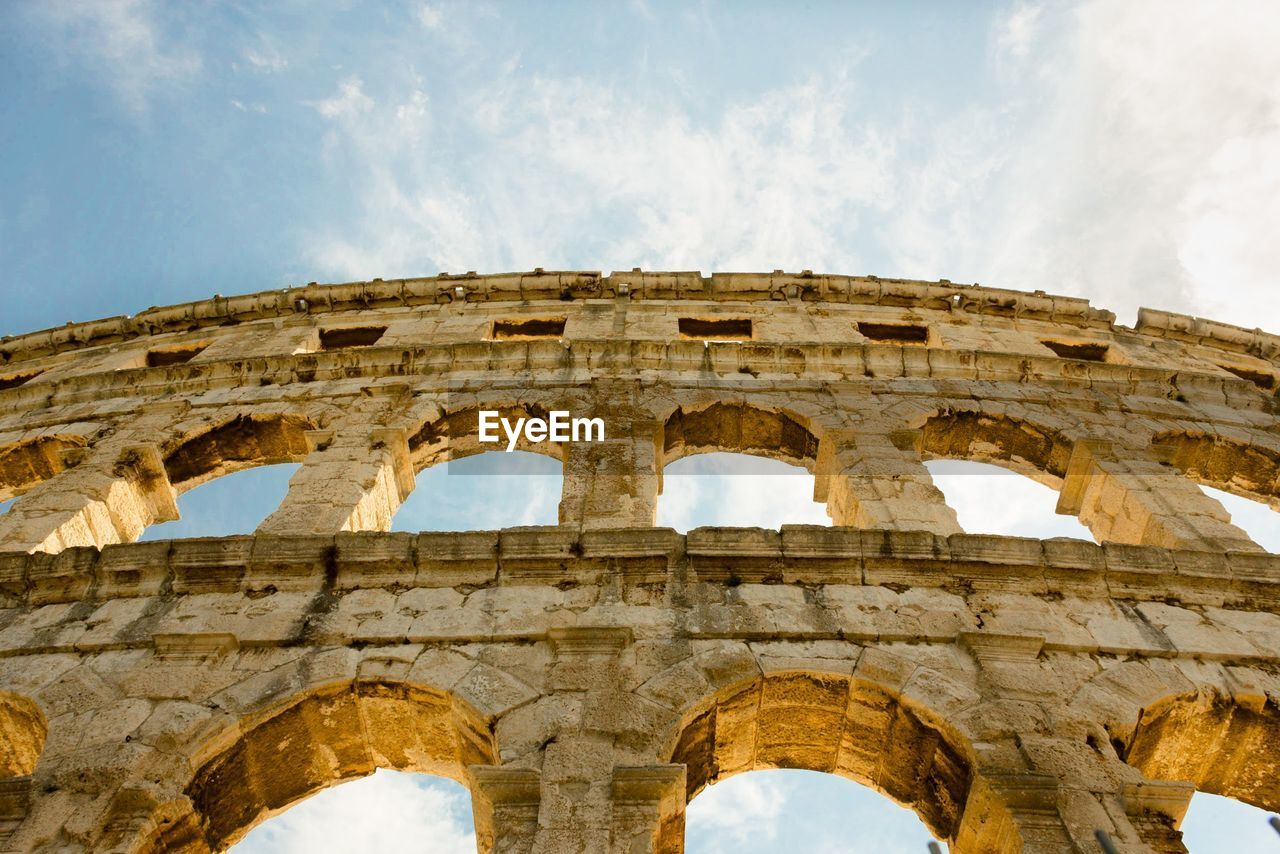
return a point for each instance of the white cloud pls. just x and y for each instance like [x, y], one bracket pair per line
[266, 59]
[744, 808]
[431, 16]
[121, 41]
[1149, 178]
[989, 499]
[766, 493]
[1124, 155]
[1018, 30]
[570, 169]
[350, 100]
[248, 108]
[379, 814]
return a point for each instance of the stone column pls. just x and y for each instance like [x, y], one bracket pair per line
[648, 809]
[614, 483]
[1128, 496]
[1047, 792]
[1030, 811]
[504, 802]
[354, 480]
[111, 497]
[592, 803]
[877, 480]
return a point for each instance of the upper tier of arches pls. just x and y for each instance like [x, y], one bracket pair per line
[1128, 481]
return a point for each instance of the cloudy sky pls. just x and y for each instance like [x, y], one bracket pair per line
[1128, 152]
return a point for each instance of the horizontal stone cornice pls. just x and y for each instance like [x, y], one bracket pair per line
[534, 363]
[804, 555]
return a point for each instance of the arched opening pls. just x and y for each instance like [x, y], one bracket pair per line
[763, 458]
[1248, 470]
[992, 499]
[1243, 477]
[22, 734]
[760, 812]
[1001, 475]
[831, 723]
[24, 464]
[243, 442]
[1038, 453]
[332, 735]
[387, 812]
[1256, 519]
[740, 490]
[232, 504]
[231, 476]
[1230, 751]
[464, 484]
[484, 492]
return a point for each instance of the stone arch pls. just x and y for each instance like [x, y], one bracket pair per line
[1245, 468]
[455, 435]
[24, 464]
[834, 723]
[23, 730]
[742, 428]
[241, 442]
[1037, 451]
[1222, 744]
[332, 734]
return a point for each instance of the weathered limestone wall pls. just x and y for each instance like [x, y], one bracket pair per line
[586, 680]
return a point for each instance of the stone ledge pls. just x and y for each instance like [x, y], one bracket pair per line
[315, 299]
[852, 362]
[556, 555]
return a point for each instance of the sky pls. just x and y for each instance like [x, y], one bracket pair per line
[1127, 152]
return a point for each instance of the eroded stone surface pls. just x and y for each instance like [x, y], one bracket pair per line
[585, 680]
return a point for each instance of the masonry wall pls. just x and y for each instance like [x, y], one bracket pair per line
[586, 680]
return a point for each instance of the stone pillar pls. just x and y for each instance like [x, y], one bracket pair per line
[648, 809]
[876, 480]
[111, 497]
[614, 483]
[353, 480]
[1128, 496]
[592, 803]
[1038, 792]
[504, 802]
[1035, 812]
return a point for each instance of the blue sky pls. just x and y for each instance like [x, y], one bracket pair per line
[155, 153]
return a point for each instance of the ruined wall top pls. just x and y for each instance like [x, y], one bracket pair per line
[950, 317]
[326, 299]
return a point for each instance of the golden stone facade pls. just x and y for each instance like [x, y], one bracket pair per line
[585, 680]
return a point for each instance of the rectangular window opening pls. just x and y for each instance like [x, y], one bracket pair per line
[15, 380]
[1083, 352]
[164, 356]
[534, 327]
[352, 336]
[1266, 382]
[895, 333]
[715, 329]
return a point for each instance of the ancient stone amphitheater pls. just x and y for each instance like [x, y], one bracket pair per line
[584, 681]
